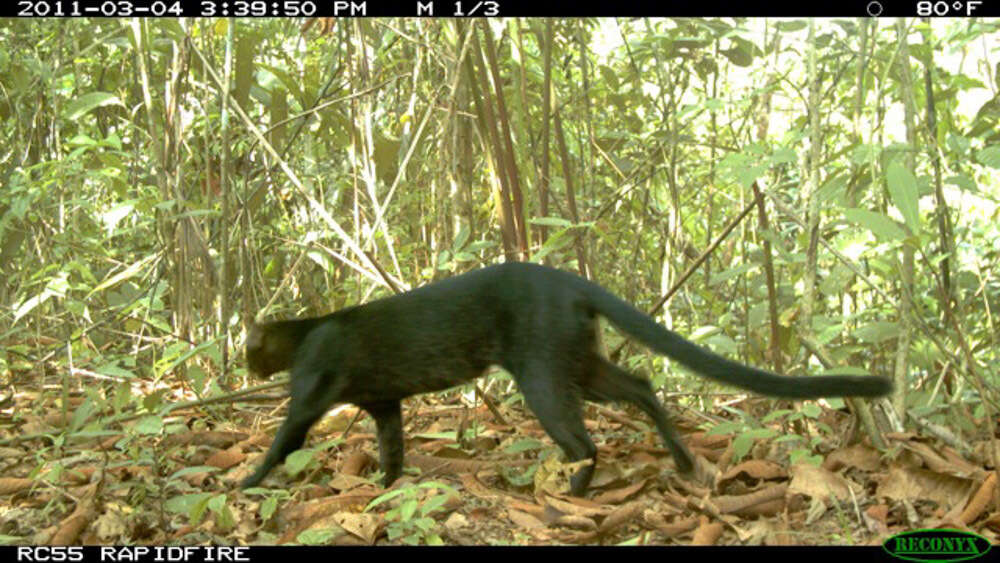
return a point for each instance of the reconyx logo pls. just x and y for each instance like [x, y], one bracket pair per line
[936, 545]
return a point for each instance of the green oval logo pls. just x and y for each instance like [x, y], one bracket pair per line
[936, 545]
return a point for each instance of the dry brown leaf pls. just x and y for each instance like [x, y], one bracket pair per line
[818, 483]
[364, 525]
[448, 466]
[707, 533]
[327, 522]
[861, 456]
[55, 419]
[766, 532]
[70, 528]
[78, 475]
[764, 502]
[576, 522]
[619, 495]
[11, 485]
[476, 488]
[952, 465]
[456, 522]
[524, 520]
[219, 439]
[963, 466]
[108, 443]
[575, 506]
[131, 472]
[552, 476]
[112, 525]
[993, 521]
[707, 441]
[312, 491]
[534, 510]
[620, 516]
[344, 482]
[751, 472]
[179, 439]
[356, 462]
[908, 483]
[875, 518]
[981, 500]
[442, 448]
[878, 512]
[312, 510]
[673, 529]
[11, 453]
[224, 459]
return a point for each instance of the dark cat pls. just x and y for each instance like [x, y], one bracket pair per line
[536, 322]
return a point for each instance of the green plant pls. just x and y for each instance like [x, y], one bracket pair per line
[269, 505]
[410, 520]
[748, 430]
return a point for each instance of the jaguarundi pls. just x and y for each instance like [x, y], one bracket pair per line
[538, 323]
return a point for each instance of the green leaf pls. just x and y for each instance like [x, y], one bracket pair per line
[433, 539]
[738, 56]
[811, 410]
[268, 508]
[550, 221]
[802, 456]
[784, 155]
[149, 425]
[877, 332]
[387, 496]
[56, 287]
[89, 101]
[958, 144]
[407, 509]
[774, 415]
[609, 76]
[963, 182]
[793, 25]
[884, 228]
[904, 193]
[741, 446]
[29, 304]
[437, 485]
[113, 370]
[789, 438]
[726, 428]
[113, 216]
[125, 274]
[433, 504]
[81, 414]
[425, 524]
[180, 353]
[460, 238]
[299, 460]
[732, 273]
[990, 156]
[184, 504]
[761, 433]
[527, 444]
[555, 242]
[317, 537]
[153, 400]
[223, 516]
[216, 503]
[845, 370]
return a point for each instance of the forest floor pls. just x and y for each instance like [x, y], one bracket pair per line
[172, 480]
